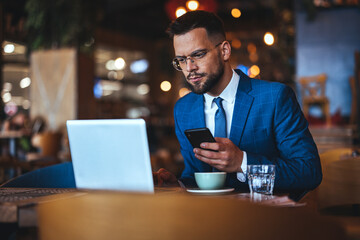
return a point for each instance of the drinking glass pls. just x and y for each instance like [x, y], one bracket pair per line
[261, 178]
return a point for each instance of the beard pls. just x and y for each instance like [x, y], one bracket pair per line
[209, 83]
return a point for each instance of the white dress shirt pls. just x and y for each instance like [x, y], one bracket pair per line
[228, 96]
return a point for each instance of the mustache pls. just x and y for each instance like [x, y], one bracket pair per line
[192, 75]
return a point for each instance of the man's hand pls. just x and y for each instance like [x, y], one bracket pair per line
[164, 178]
[228, 157]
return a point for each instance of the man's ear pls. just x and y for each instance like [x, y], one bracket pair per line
[226, 50]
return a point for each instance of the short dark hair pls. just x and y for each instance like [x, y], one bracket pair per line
[197, 19]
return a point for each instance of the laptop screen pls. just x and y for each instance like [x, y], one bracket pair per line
[111, 154]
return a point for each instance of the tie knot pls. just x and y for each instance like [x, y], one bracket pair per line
[218, 102]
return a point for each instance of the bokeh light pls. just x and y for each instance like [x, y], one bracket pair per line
[180, 11]
[251, 47]
[112, 75]
[143, 89]
[254, 71]
[26, 104]
[7, 86]
[243, 68]
[253, 57]
[25, 82]
[9, 48]
[236, 43]
[269, 39]
[110, 65]
[165, 86]
[119, 63]
[120, 75]
[235, 12]
[183, 92]
[6, 97]
[192, 5]
[139, 66]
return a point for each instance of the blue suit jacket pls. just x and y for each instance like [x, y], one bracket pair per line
[268, 124]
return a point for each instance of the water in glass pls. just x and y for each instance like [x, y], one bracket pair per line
[261, 178]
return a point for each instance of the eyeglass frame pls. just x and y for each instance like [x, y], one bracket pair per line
[192, 57]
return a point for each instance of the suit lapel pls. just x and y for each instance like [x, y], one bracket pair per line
[196, 113]
[242, 108]
[196, 119]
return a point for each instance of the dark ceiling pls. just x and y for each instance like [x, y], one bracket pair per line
[148, 18]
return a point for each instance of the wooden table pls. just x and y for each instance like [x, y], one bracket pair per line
[18, 205]
[114, 215]
[170, 213]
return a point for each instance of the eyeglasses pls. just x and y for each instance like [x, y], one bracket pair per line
[180, 62]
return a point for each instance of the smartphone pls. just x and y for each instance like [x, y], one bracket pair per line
[199, 135]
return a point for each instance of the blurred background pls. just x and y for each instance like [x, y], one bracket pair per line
[77, 59]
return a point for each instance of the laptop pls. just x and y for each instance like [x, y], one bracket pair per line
[111, 154]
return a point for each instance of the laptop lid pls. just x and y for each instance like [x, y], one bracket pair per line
[110, 154]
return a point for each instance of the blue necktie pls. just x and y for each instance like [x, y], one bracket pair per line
[220, 119]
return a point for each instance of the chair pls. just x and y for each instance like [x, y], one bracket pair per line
[341, 180]
[338, 195]
[49, 144]
[327, 159]
[313, 93]
[341, 184]
[55, 176]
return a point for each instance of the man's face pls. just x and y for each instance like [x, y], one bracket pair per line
[202, 74]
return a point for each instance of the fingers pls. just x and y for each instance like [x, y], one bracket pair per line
[210, 160]
[160, 180]
[164, 177]
[228, 156]
[208, 154]
[162, 170]
[211, 146]
[220, 144]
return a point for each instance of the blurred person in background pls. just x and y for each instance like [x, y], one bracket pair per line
[21, 122]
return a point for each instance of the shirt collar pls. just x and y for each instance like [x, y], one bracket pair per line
[228, 94]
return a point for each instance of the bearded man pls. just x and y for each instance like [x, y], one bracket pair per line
[263, 122]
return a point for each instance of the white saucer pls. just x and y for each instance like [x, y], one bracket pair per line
[216, 191]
